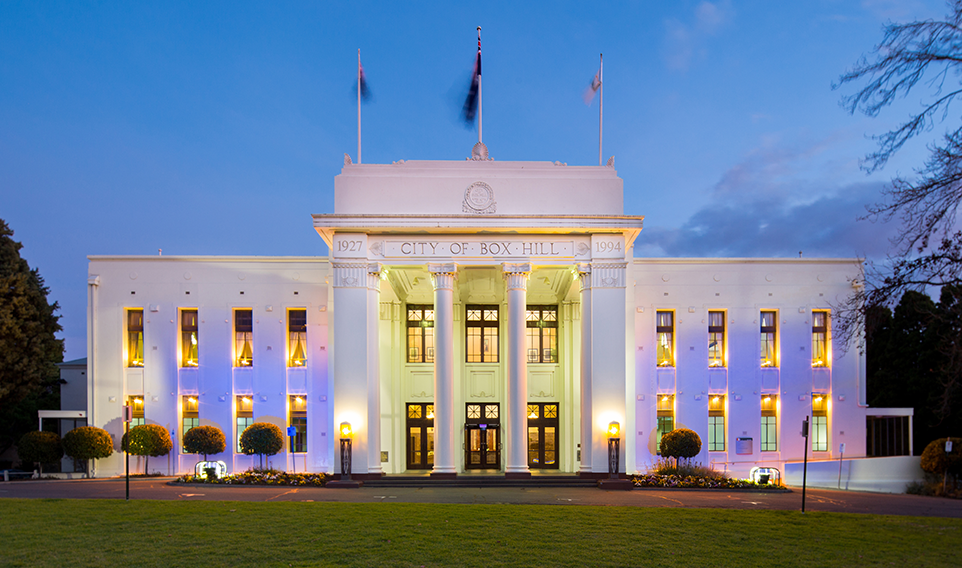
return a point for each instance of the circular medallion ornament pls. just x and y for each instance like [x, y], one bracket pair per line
[479, 198]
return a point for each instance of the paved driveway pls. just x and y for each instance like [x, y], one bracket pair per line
[816, 500]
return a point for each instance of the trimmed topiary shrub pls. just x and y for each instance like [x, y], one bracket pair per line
[148, 440]
[87, 443]
[204, 440]
[40, 448]
[936, 461]
[680, 443]
[263, 439]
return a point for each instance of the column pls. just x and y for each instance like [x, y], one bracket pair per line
[373, 368]
[608, 375]
[516, 437]
[584, 274]
[445, 440]
[350, 345]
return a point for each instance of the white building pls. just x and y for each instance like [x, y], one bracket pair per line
[480, 315]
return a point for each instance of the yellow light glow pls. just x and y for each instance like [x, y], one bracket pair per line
[614, 429]
[431, 415]
[533, 415]
[138, 401]
[818, 399]
[715, 400]
[346, 430]
[298, 399]
[664, 398]
[192, 400]
[768, 399]
[246, 399]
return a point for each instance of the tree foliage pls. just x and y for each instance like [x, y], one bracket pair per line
[928, 249]
[680, 443]
[914, 358]
[87, 443]
[262, 438]
[29, 349]
[205, 440]
[40, 448]
[148, 440]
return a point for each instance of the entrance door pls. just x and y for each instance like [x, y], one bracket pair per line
[420, 436]
[543, 435]
[482, 436]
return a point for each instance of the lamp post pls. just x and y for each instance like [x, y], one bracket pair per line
[614, 448]
[346, 449]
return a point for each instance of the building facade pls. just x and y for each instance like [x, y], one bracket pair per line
[479, 315]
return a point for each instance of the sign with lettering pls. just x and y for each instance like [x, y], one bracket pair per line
[493, 248]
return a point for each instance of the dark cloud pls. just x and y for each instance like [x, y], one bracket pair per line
[755, 225]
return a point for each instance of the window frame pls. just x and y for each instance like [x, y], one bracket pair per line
[722, 359]
[768, 434]
[665, 414]
[189, 338]
[716, 427]
[540, 324]
[189, 410]
[423, 324]
[297, 417]
[135, 343]
[661, 346]
[243, 327]
[770, 333]
[297, 337]
[137, 404]
[820, 338]
[819, 426]
[242, 413]
[490, 331]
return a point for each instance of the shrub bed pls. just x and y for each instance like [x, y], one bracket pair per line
[694, 482]
[262, 477]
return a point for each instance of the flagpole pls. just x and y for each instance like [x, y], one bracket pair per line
[359, 105]
[601, 101]
[479, 85]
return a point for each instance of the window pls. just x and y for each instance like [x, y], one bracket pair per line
[819, 431]
[298, 419]
[481, 334]
[716, 339]
[136, 403]
[665, 328]
[716, 423]
[243, 338]
[135, 338]
[188, 338]
[666, 418]
[420, 334]
[190, 414]
[297, 338]
[245, 415]
[769, 329]
[769, 433]
[819, 339]
[542, 334]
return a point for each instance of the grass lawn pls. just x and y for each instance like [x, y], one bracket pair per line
[176, 533]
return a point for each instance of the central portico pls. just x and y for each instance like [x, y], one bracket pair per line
[479, 313]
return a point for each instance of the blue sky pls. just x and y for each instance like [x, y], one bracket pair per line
[218, 127]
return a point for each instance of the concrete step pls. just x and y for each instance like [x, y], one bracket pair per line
[481, 481]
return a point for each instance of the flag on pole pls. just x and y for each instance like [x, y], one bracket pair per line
[470, 109]
[589, 93]
[361, 86]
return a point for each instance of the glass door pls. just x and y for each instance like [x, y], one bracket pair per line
[420, 436]
[482, 436]
[543, 435]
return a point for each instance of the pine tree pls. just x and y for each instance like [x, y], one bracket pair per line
[29, 349]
